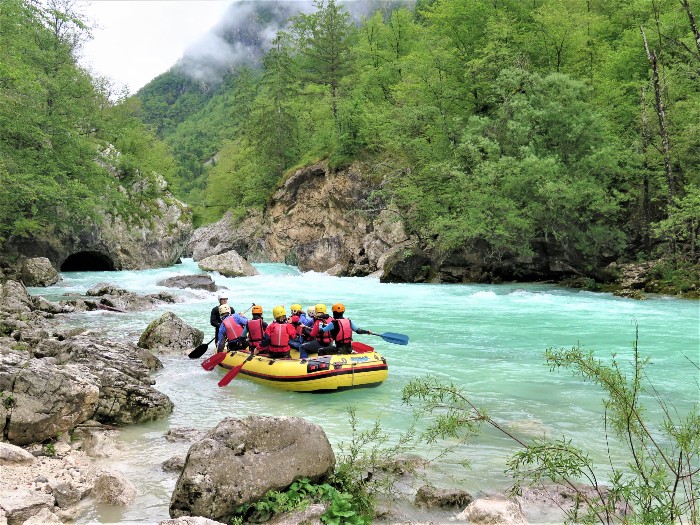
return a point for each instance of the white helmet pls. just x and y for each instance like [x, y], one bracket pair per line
[311, 311]
[223, 295]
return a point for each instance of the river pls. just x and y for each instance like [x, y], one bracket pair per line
[487, 339]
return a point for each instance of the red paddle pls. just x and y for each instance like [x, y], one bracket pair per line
[361, 348]
[234, 371]
[211, 362]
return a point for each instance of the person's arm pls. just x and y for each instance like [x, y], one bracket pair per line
[357, 329]
[245, 332]
[214, 318]
[240, 320]
[221, 338]
[327, 328]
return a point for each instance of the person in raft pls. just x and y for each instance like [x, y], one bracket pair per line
[319, 342]
[255, 329]
[231, 329]
[307, 319]
[214, 317]
[277, 335]
[341, 330]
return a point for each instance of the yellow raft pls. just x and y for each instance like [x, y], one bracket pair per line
[315, 373]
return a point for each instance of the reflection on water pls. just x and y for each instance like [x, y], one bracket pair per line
[487, 339]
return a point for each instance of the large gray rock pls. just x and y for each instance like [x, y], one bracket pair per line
[113, 488]
[240, 460]
[115, 298]
[197, 282]
[21, 504]
[432, 497]
[493, 511]
[13, 455]
[170, 334]
[38, 271]
[229, 264]
[14, 297]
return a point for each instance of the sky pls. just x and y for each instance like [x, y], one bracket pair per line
[134, 41]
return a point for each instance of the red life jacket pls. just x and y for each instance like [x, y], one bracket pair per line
[255, 330]
[233, 329]
[279, 337]
[325, 338]
[343, 330]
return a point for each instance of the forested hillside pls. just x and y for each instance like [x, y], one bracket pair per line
[66, 151]
[492, 121]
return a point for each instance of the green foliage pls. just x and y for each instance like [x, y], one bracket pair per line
[657, 485]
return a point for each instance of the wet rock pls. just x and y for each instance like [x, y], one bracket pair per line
[184, 434]
[492, 511]
[38, 271]
[197, 282]
[68, 493]
[97, 441]
[174, 464]
[21, 504]
[170, 334]
[274, 452]
[432, 497]
[409, 265]
[113, 488]
[229, 264]
[113, 298]
[11, 454]
[308, 516]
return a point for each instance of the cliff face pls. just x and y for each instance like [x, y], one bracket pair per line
[116, 243]
[318, 220]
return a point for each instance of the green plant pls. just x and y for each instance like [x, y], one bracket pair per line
[8, 400]
[50, 449]
[659, 483]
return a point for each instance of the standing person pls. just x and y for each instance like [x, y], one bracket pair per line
[319, 341]
[231, 329]
[255, 328]
[278, 335]
[215, 317]
[341, 329]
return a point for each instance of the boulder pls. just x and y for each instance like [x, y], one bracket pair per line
[197, 282]
[13, 455]
[492, 511]
[174, 464]
[409, 265]
[44, 517]
[118, 299]
[14, 297]
[169, 333]
[432, 497]
[38, 271]
[21, 504]
[229, 264]
[113, 488]
[190, 520]
[240, 460]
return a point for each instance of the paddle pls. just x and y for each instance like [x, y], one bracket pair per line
[390, 337]
[234, 371]
[361, 348]
[210, 363]
[200, 350]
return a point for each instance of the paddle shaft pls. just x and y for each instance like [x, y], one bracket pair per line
[234, 371]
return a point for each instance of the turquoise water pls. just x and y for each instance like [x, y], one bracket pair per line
[488, 339]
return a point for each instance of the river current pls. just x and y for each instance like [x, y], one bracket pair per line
[487, 339]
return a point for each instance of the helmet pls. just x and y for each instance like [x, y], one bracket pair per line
[338, 308]
[224, 309]
[310, 311]
[278, 311]
[257, 309]
[296, 308]
[321, 309]
[223, 295]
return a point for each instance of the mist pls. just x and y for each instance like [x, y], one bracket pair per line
[248, 27]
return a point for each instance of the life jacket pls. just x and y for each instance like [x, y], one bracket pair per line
[342, 330]
[294, 321]
[279, 338]
[233, 329]
[325, 338]
[255, 330]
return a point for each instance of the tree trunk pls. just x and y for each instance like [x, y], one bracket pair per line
[661, 113]
[693, 25]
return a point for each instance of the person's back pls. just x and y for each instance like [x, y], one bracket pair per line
[231, 329]
[319, 341]
[341, 329]
[278, 334]
[255, 328]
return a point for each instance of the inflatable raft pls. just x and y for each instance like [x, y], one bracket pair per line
[315, 373]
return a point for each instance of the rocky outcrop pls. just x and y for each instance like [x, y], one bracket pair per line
[492, 511]
[431, 497]
[38, 272]
[409, 265]
[228, 264]
[115, 298]
[170, 334]
[196, 282]
[240, 460]
[317, 220]
[153, 239]
[113, 488]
